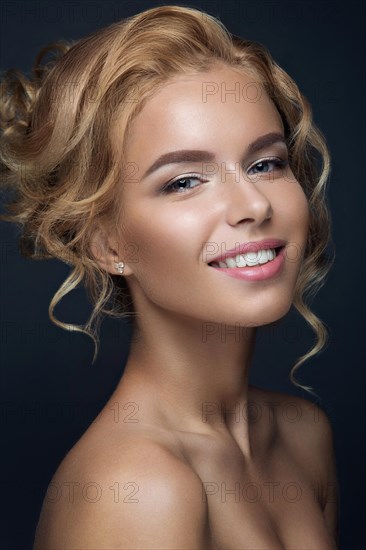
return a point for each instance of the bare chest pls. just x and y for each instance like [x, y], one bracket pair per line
[271, 504]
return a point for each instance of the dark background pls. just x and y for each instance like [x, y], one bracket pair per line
[50, 392]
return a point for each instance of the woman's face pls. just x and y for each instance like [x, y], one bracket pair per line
[171, 234]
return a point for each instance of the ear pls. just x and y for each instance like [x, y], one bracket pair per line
[106, 251]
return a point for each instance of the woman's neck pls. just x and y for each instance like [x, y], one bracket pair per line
[194, 374]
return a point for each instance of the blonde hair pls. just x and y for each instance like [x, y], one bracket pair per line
[58, 162]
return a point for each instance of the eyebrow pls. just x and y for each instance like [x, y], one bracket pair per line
[193, 155]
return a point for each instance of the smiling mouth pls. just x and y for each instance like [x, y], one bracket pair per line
[250, 259]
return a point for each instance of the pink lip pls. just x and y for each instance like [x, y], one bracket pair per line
[249, 247]
[257, 273]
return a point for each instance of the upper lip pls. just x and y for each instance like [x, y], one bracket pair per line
[253, 246]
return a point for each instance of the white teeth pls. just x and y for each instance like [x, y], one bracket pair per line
[249, 259]
[264, 256]
[231, 262]
[240, 261]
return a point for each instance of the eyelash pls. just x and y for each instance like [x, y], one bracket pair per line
[278, 163]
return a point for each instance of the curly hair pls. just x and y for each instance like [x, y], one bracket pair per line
[60, 168]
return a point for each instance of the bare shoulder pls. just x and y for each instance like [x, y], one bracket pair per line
[296, 417]
[143, 496]
[305, 430]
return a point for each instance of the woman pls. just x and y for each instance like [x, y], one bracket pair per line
[174, 166]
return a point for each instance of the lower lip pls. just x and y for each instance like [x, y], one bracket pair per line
[257, 273]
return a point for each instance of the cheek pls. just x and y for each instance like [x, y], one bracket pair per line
[296, 211]
[167, 241]
[168, 259]
[301, 207]
[294, 207]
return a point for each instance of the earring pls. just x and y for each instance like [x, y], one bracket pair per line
[119, 266]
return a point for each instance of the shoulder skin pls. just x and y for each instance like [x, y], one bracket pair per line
[307, 432]
[148, 498]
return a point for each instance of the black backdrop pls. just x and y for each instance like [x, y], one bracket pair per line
[50, 393]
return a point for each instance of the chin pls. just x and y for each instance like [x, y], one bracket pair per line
[264, 316]
[274, 315]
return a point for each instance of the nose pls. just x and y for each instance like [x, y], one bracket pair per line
[245, 201]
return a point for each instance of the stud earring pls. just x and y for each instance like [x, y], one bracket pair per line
[119, 266]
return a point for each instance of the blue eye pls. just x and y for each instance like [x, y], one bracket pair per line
[262, 165]
[182, 183]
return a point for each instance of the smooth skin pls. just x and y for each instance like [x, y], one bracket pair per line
[183, 430]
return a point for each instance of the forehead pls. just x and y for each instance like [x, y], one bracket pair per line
[204, 109]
